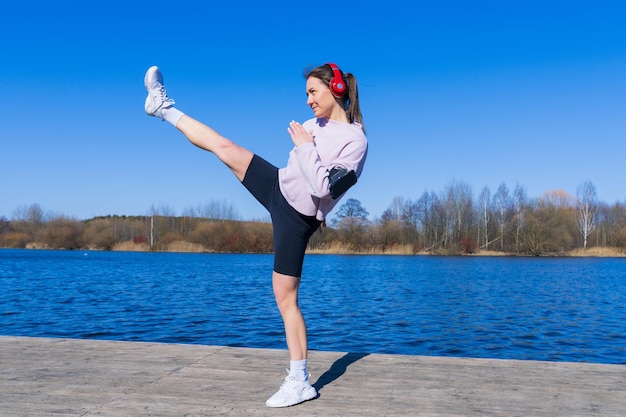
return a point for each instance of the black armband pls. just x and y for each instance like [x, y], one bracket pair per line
[340, 180]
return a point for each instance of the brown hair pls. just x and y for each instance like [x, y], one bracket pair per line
[350, 100]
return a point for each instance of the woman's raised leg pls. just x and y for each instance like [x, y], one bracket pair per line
[160, 105]
[234, 156]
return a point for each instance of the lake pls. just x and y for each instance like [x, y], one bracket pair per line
[554, 309]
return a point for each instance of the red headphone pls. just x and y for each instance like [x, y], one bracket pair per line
[337, 85]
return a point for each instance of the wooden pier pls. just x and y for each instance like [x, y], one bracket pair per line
[68, 377]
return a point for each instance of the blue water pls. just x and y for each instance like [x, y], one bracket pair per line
[556, 309]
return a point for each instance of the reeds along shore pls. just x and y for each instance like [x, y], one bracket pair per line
[340, 248]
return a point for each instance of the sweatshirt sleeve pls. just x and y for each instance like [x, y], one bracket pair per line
[349, 155]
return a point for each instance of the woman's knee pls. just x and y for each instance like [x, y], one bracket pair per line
[235, 157]
[285, 291]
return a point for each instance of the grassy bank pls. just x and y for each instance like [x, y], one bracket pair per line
[338, 248]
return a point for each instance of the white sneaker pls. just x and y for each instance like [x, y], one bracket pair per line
[292, 392]
[157, 99]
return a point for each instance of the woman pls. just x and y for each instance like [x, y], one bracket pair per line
[297, 196]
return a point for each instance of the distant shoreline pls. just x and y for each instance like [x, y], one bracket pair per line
[400, 250]
[578, 253]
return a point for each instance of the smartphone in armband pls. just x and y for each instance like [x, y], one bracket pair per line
[340, 180]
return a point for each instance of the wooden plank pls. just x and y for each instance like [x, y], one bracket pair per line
[69, 377]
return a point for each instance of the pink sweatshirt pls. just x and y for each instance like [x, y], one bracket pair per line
[304, 181]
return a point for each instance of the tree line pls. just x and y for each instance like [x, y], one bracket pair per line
[453, 221]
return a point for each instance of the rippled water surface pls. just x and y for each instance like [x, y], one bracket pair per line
[557, 309]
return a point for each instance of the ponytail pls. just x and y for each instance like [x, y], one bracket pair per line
[351, 105]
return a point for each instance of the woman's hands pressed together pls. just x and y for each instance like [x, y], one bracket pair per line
[298, 134]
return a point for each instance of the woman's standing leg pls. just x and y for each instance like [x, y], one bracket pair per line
[292, 232]
[296, 388]
[286, 294]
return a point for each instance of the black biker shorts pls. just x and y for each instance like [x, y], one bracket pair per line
[292, 230]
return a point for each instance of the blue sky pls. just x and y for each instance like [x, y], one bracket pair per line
[529, 93]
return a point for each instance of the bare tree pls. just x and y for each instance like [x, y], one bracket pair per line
[610, 222]
[161, 219]
[429, 211]
[30, 220]
[100, 233]
[458, 211]
[32, 215]
[214, 209]
[396, 208]
[556, 214]
[485, 196]
[352, 209]
[519, 201]
[63, 233]
[4, 224]
[351, 219]
[586, 208]
[411, 223]
[501, 201]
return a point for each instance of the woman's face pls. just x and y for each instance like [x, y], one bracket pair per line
[319, 98]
